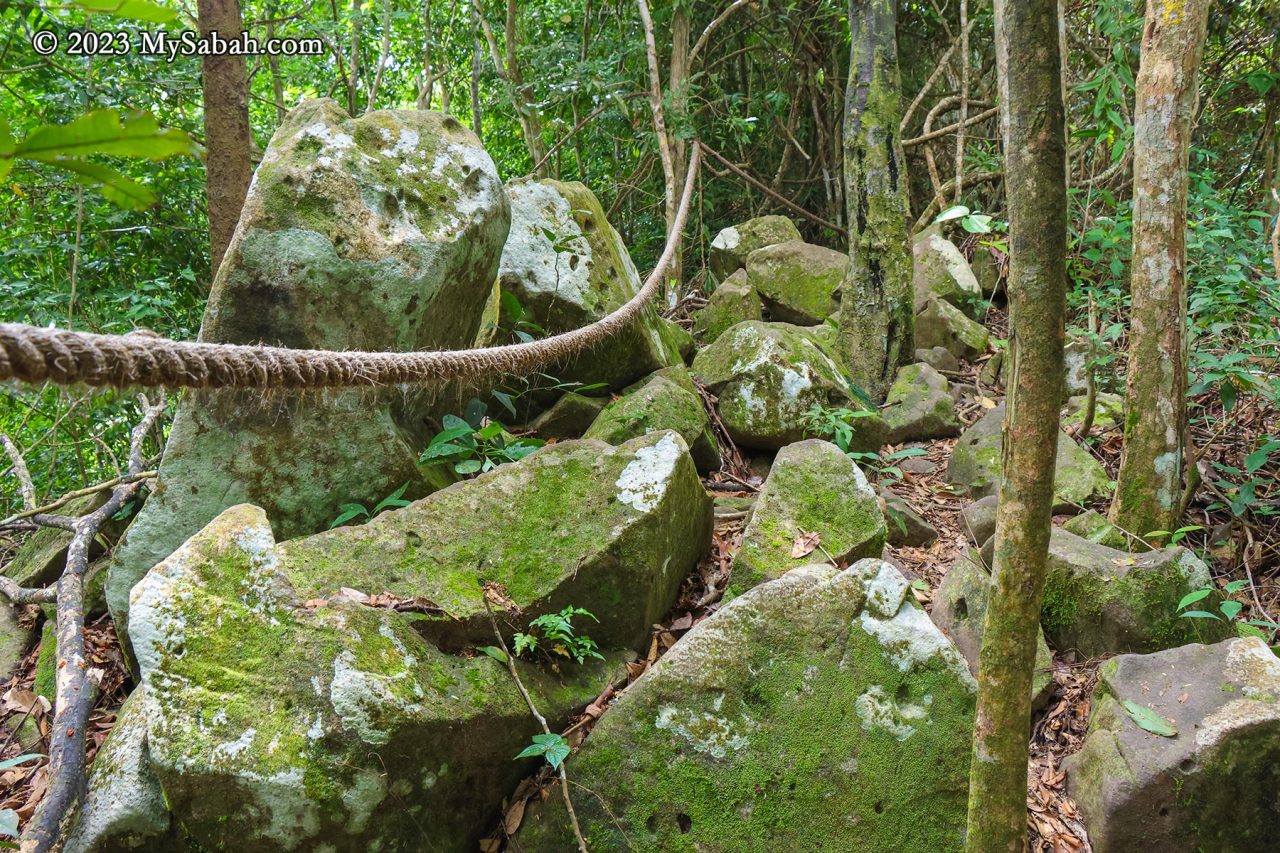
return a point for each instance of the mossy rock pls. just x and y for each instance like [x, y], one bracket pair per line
[798, 282]
[46, 679]
[1095, 527]
[612, 529]
[41, 557]
[1212, 786]
[768, 376]
[941, 324]
[1100, 601]
[568, 267]
[657, 404]
[960, 610]
[380, 233]
[940, 270]
[731, 303]
[975, 465]
[919, 406]
[811, 488]
[277, 723]
[979, 519]
[821, 711]
[1108, 411]
[730, 248]
[903, 524]
[569, 417]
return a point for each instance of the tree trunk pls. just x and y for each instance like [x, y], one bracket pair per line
[877, 312]
[677, 83]
[1033, 127]
[227, 140]
[1150, 481]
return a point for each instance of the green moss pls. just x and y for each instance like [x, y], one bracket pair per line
[46, 681]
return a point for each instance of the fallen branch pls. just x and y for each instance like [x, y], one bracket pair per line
[764, 188]
[127, 479]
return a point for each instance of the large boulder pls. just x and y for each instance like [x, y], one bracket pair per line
[812, 488]
[1212, 785]
[1100, 601]
[941, 324]
[821, 711]
[797, 281]
[378, 233]
[733, 302]
[730, 248]
[960, 610]
[612, 529]
[919, 406]
[666, 400]
[940, 270]
[276, 723]
[905, 526]
[975, 465]
[568, 417]
[768, 376]
[567, 267]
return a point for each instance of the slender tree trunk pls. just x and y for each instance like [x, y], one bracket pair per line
[228, 143]
[353, 71]
[474, 91]
[876, 310]
[273, 62]
[1150, 481]
[677, 82]
[1033, 127]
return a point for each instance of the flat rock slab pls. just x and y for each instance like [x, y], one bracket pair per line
[821, 711]
[1213, 785]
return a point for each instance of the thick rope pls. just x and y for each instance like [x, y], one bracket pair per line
[34, 354]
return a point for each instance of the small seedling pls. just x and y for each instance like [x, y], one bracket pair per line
[356, 510]
[553, 747]
[553, 634]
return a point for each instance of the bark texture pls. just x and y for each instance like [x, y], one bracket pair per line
[876, 307]
[1033, 128]
[227, 140]
[1151, 465]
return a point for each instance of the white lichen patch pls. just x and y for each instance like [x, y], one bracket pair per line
[261, 583]
[794, 384]
[406, 144]
[878, 711]
[367, 701]
[707, 732]
[886, 591]
[911, 641]
[231, 752]
[1237, 716]
[728, 239]
[543, 266]
[643, 483]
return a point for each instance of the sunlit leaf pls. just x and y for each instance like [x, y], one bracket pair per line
[1149, 720]
[105, 132]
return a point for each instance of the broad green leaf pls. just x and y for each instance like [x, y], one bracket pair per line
[21, 759]
[1230, 609]
[1236, 586]
[1201, 614]
[1148, 720]
[438, 451]
[1259, 457]
[105, 132]
[115, 187]
[349, 511]
[494, 652]
[469, 466]
[394, 499]
[1193, 597]
[450, 434]
[133, 10]
[506, 401]
[951, 213]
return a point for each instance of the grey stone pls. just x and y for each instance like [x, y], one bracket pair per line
[731, 303]
[568, 417]
[979, 519]
[939, 359]
[941, 271]
[798, 282]
[730, 248]
[919, 406]
[905, 526]
[941, 324]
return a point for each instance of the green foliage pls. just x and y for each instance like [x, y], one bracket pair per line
[1149, 720]
[475, 444]
[356, 510]
[553, 634]
[553, 747]
[971, 221]
[1229, 609]
[836, 425]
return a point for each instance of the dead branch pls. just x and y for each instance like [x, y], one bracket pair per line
[20, 471]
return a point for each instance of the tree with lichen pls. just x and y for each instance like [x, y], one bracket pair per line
[1034, 136]
[876, 311]
[1149, 486]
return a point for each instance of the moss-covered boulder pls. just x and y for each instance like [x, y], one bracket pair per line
[661, 402]
[798, 282]
[812, 488]
[611, 529]
[730, 248]
[975, 465]
[960, 610]
[941, 324]
[768, 376]
[822, 711]
[989, 267]
[904, 525]
[1101, 601]
[1096, 527]
[568, 417]
[919, 406]
[378, 233]
[939, 359]
[979, 519]
[940, 270]
[567, 267]
[1108, 411]
[731, 303]
[1212, 786]
[275, 722]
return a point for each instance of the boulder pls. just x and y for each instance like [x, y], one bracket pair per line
[905, 526]
[567, 267]
[568, 417]
[731, 303]
[1108, 411]
[960, 610]
[1212, 786]
[986, 270]
[612, 529]
[975, 465]
[42, 556]
[919, 406]
[941, 271]
[812, 488]
[1100, 601]
[798, 282]
[979, 519]
[730, 248]
[666, 400]
[992, 373]
[279, 723]
[768, 376]
[820, 711]
[941, 324]
[1075, 358]
[939, 359]
[1095, 527]
[379, 233]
